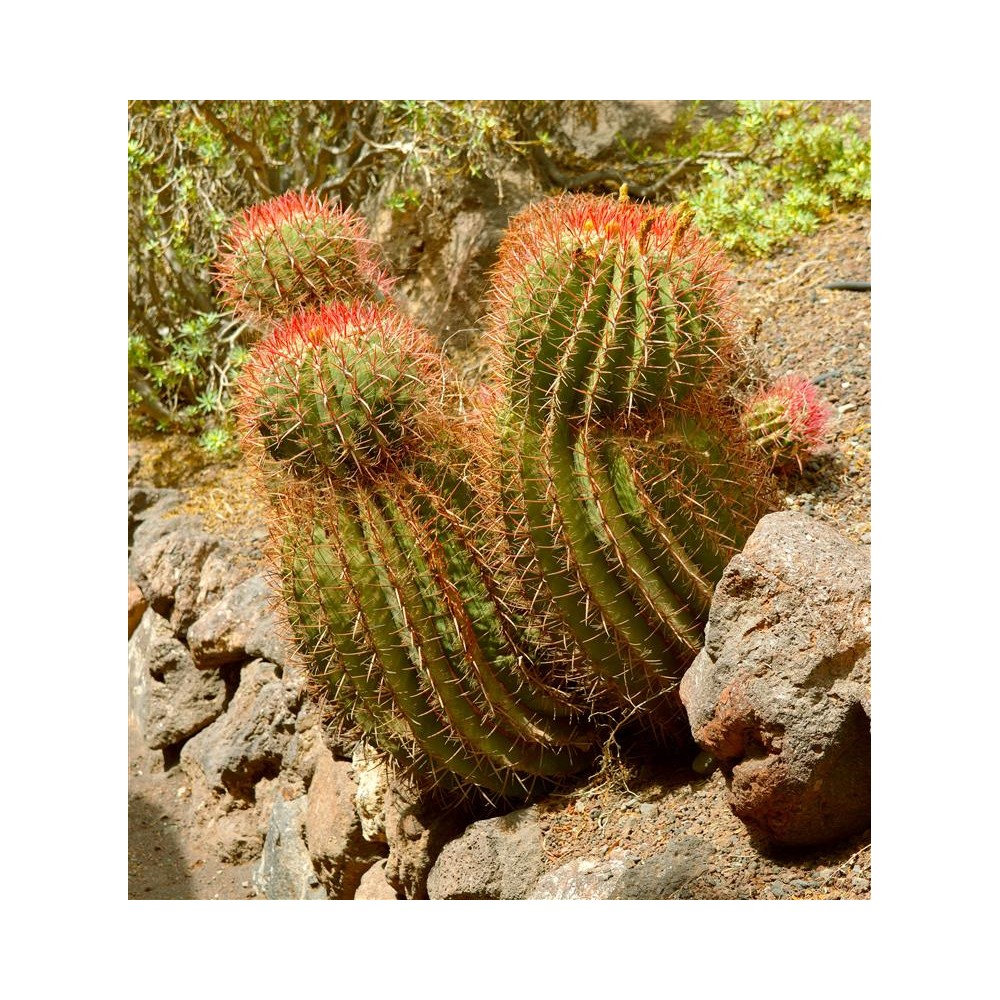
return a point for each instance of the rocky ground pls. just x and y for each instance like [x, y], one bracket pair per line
[634, 806]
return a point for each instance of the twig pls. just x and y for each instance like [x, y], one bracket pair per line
[799, 269]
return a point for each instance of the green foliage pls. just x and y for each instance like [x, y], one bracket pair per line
[774, 169]
[219, 442]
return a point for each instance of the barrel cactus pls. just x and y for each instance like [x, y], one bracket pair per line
[295, 252]
[625, 479]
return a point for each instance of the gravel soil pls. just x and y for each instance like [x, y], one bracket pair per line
[635, 806]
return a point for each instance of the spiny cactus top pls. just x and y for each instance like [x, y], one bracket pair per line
[602, 308]
[341, 389]
[295, 252]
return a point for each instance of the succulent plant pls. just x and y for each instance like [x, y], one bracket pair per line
[296, 252]
[625, 482]
[383, 553]
[787, 421]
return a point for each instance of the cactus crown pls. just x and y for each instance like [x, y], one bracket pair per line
[340, 389]
[787, 420]
[636, 299]
[296, 252]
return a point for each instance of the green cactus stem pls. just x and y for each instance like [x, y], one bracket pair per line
[625, 484]
[384, 557]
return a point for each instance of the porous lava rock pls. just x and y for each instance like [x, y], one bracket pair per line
[780, 694]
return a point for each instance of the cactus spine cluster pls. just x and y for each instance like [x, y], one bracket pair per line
[624, 484]
[355, 426]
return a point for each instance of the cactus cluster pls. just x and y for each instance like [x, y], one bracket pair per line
[474, 578]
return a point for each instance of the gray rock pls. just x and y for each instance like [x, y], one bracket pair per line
[668, 874]
[224, 569]
[498, 858]
[374, 884]
[249, 741]
[285, 870]
[415, 831]
[339, 852]
[146, 502]
[240, 625]
[584, 878]
[780, 694]
[168, 555]
[170, 698]
[183, 570]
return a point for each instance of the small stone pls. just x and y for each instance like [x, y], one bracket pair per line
[777, 889]
[648, 809]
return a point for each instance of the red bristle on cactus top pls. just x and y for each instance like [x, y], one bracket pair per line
[586, 220]
[296, 252]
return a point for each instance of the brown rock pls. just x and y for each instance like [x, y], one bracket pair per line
[500, 858]
[249, 741]
[374, 884]
[416, 831]
[238, 626]
[170, 698]
[136, 606]
[339, 852]
[780, 693]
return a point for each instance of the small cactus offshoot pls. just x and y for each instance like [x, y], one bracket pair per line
[788, 421]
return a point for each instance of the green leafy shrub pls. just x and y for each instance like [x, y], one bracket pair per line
[773, 170]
